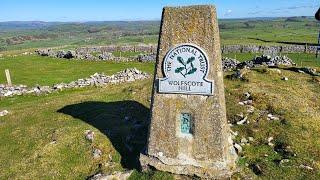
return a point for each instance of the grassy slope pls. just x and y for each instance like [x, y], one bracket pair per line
[33, 120]
[26, 133]
[31, 70]
[297, 103]
[78, 34]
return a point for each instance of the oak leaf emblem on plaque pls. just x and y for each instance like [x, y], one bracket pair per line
[187, 68]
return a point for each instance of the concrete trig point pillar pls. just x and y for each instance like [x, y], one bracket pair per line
[7, 72]
[189, 133]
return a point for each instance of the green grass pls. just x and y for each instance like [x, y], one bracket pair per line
[32, 70]
[296, 102]
[33, 121]
[302, 59]
[26, 152]
[275, 31]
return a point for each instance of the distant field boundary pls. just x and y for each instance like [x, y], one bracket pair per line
[269, 49]
[146, 48]
[152, 48]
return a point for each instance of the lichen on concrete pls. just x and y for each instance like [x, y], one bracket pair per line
[209, 153]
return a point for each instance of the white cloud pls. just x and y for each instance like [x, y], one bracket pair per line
[229, 11]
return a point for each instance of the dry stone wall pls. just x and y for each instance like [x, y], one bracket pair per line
[149, 51]
[145, 48]
[97, 79]
[269, 49]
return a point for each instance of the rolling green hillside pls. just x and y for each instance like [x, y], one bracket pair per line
[24, 35]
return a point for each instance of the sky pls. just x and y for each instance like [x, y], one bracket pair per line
[125, 10]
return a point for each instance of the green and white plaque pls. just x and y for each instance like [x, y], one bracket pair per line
[185, 68]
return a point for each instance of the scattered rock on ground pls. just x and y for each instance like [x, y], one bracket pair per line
[272, 117]
[307, 70]
[250, 139]
[270, 139]
[237, 147]
[246, 102]
[4, 113]
[243, 121]
[306, 167]
[114, 176]
[283, 161]
[250, 109]
[89, 135]
[96, 153]
[244, 141]
[247, 95]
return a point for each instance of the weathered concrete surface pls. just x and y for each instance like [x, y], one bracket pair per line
[209, 152]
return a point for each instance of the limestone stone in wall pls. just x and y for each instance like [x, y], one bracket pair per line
[110, 48]
[126, 48]
[293, 49]
[311, 49]
[232, 49]
[106, 56]
[45, 52]
[250, 49]
[60, 54]
[147, 57]
[146, 48]
[270, 50]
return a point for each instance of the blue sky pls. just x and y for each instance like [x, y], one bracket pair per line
[107, 10]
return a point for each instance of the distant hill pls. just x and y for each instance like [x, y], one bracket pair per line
[16, 35]
[14, 25]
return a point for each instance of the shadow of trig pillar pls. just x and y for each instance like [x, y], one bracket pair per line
[188, 132]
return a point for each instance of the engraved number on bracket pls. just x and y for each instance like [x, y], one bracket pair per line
[185, 123]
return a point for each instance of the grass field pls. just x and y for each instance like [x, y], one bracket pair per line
[32, 70]
[26, 148]
[269, 32]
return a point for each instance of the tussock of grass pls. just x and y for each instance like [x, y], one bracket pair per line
[297, 103]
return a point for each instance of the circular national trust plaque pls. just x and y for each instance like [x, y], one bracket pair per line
[185, 67]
